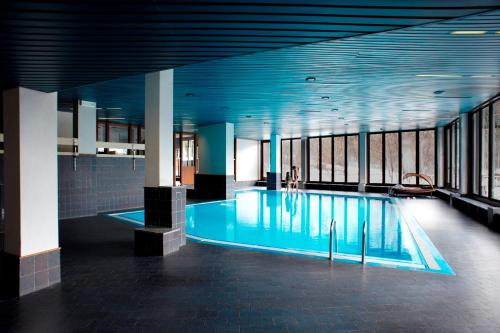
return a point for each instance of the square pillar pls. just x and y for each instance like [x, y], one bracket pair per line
[31, 260]
[164, 204]
[84, 126]
[215, 179]
[274, 175]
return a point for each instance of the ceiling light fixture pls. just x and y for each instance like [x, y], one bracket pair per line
[310, 79]
[334, 110]
[113, 108]
[438, 92]
[325, 97]
[248, 116]
[111, 118]
[468, 32]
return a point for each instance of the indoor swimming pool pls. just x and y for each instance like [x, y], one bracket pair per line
[301, 224]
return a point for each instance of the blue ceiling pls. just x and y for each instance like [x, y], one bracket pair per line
[54, 45]
[378, 65]
[416, 77]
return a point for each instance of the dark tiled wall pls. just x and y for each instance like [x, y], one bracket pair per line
[273, 181]
[99, 184]
[77, 188]
[214, 186]
[119, 186]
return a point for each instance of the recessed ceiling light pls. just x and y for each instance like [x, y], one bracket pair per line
[310, 79]
[438, 92]
[189, 94]
[98, 108]
[439, 75]
[325, 97]
[334, 110]
[468, 32]
[498, 32]
[113, 108]
[341, 118]
[111, 118]
[248, 116]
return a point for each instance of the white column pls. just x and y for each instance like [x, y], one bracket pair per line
[440, 156]
[464, 153]
[216, 149]
[159, 110]
[31, 216]
[84, 126]
[275, 159]
[363, 167]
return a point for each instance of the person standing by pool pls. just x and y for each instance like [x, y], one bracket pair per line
[288, 181]
[295, 178]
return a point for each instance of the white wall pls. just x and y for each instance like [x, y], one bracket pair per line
[247, 160]
[31, 215]
[216, 149]
[65, 124]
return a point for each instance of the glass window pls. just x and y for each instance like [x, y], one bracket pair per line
[427, 155]
[375, 158]
[496, 157]
[485, 125]
[353, 158]
[392, 158]
[187, 149]
[118, 133]
[314, 159]
[285, 158]
[266, 151]
[453, 155]
[339, 159]
[296, 155]
[475, 157]
[408, 151]
[134, 133]
[326, 159]
[101, 132]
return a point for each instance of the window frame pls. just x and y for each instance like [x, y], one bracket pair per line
[400, 155]
[475, 151]
[344, 136]
[291, 154]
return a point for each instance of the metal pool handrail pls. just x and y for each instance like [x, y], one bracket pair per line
[333, 228]
[363, 244]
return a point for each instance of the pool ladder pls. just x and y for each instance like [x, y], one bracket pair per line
[333, 241]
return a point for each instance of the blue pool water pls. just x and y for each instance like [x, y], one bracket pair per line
[299, 223]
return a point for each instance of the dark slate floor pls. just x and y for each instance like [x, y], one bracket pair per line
[214, 289]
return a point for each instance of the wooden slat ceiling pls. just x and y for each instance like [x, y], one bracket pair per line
[416, 77]
[55, 45]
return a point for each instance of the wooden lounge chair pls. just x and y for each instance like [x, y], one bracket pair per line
[406, 190]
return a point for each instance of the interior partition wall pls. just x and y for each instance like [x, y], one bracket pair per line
[333, 159]
[391, 155]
